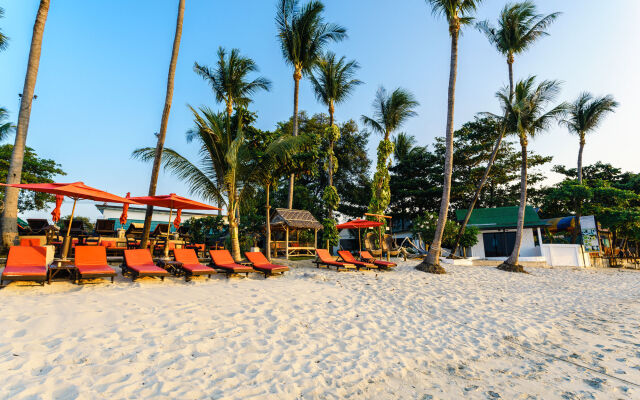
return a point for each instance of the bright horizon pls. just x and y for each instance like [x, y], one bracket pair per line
[102, 76]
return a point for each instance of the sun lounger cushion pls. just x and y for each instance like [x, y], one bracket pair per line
[190, 261]
[348, 257]
[223, 260]
[365, 255]
[260, 263]
[140, 261]
[325, 258]
[30, 242]
[28, 261]
[92, 260]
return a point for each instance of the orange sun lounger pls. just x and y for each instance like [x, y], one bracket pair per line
[349, 258]
[139, 263]
[221, 259]
[91, 262]
[263, 265]
[367, 257]
[25, 263]
[324, 258]
[190, 264]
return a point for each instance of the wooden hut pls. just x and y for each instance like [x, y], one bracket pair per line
[291, 222]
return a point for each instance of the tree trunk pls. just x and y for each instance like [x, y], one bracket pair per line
[331, 110]
[268, 225]
[513, 258]
[14, 175]
[297, 75]
[487, 171]
[433, 258]
[157, 160]
[582, 143]
[577, 230]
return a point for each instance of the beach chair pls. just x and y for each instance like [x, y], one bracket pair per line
[160, 231]
[139, 263]
[221, 259]
[368, 244]
[324, 258]
[91, 262]
[389, 245]
[38, 226]
[367, 257]
[349, 258]
[190, 264]
[134, 230]
[105, 228]
[25, 263]
[263, 265]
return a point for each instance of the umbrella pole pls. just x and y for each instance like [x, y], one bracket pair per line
[359, 241]
[65, 243]
[166, 246]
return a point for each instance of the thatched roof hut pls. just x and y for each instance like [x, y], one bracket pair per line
[294, 219]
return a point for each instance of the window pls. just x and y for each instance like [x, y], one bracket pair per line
[498, 244]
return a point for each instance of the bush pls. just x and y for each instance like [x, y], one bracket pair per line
[425, 225]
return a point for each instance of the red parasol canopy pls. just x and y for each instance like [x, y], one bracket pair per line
[173, 201]
[125, 211]
[75, 190]
[55, 214]
[177, 220]
[359, 224]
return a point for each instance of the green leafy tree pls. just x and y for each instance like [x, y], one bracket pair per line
[390, 112]
[4, 40]
[425, 225]
[229, 80]
[526, 116]
[457, 13]
[5, 127]
[519, 26]
[225, 152]
[303, 37]
[35, 170]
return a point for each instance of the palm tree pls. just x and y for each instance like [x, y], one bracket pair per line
[333, 82]
[518, 28]
[457, 14]
[229, 79]
[584, 116]
[225, 151]
[403, 146]
[391, 111]
[10, 215]
[525, 116]
[3, 39]
[303, 36]
[157, 159]
[5, 127]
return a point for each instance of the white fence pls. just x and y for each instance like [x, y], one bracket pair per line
[565, 255]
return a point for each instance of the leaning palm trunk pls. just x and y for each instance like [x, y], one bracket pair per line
[297, 75]
[268, 225]
[163, 124]
[511, 264]
[432, 261]
[577, 230]
[14, 175]
[487, 170]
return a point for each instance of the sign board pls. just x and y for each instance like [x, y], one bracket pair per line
[589, 231]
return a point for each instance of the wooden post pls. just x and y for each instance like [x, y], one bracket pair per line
[286, 244]
[315, 238]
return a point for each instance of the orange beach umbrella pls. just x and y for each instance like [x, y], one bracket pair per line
[76, 191]
[125, 210]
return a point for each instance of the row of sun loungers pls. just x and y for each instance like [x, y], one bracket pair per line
[28, 263]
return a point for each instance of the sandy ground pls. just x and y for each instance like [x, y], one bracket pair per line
[328, 335]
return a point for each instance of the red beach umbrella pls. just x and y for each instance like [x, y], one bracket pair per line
[76, 191]
[125, 210]
[55, 214]
[177, 220]
[173, 201]
[359, 224]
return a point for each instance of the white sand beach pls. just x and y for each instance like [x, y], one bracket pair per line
[318, 334]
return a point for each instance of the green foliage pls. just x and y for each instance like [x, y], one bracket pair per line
[3, 38]
[332, 133]
[5, 127]
[333, 79]
[425, 225]
[331, 198]
[205, 230]
[34, 170]
[330, 232]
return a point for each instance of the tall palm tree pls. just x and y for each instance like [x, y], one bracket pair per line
[390, 112]
[303, 36]
[457, 13]
[403, 146]
[224, 150]
[519, 26]
[3, 38]
[10, 215]
[526, 116]
[584, 116]
[229, 79]
[5, 127]
[333, 82]
[157, 160]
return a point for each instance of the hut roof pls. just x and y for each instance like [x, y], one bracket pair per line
[298, 219]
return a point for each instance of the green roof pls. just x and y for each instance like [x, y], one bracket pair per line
[500, 218]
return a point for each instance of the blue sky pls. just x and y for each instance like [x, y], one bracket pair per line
[103, 72]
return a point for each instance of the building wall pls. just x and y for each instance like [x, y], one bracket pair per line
[527, 248]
